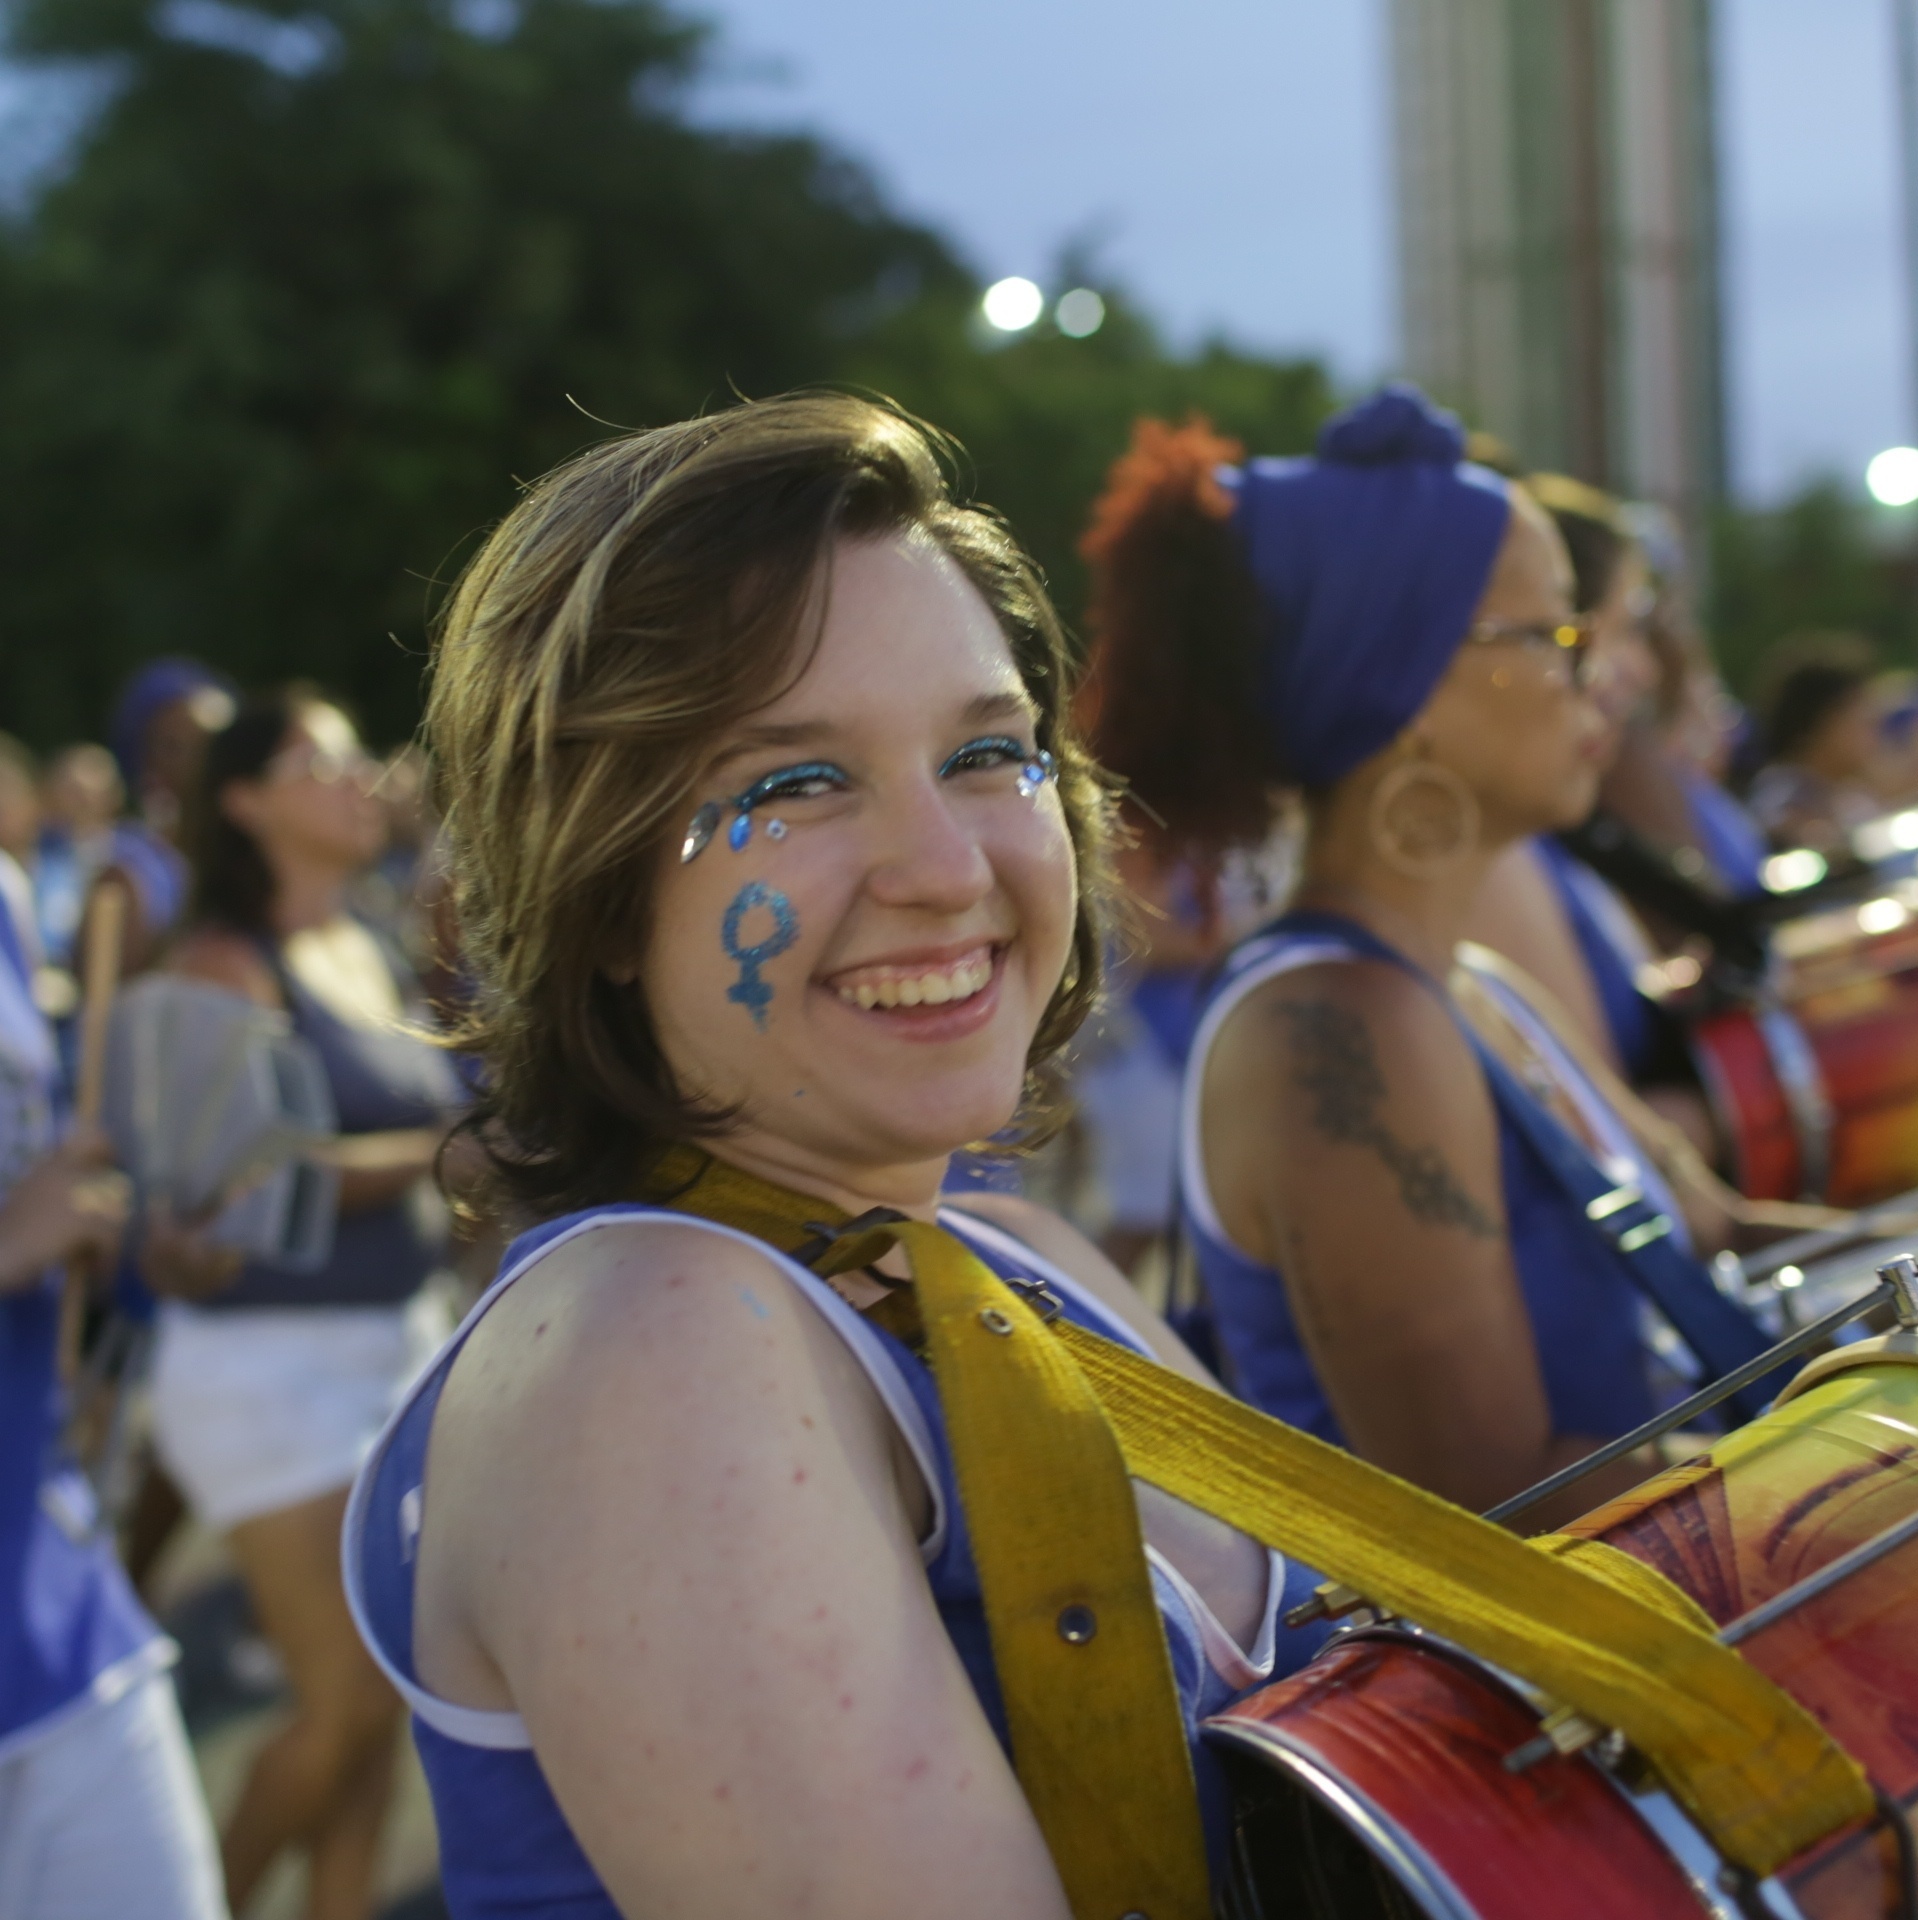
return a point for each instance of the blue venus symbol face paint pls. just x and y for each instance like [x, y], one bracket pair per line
[749, 990]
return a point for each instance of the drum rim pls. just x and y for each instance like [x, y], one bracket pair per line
[1691, 1852]
[1395, 1850]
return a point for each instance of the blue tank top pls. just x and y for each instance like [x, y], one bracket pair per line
[1585, 1313]
[381, 1080]
[69, 1621]
[506, 1851]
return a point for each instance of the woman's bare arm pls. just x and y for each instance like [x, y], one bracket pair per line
[663, 1522]
[1352, 1143]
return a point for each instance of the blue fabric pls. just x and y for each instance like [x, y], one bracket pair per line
[1630, 1018]
[1169, 1000]
[506, 1851]
[1727, 835]
[158, 871]
[67, 1611]
[1581, 1302]
[1369, 561]
[156, 685]
[381, 1080]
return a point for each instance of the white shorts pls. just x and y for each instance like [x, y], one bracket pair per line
[263, 1408]
[101, 1818]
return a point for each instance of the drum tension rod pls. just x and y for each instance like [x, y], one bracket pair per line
[1897, 1287]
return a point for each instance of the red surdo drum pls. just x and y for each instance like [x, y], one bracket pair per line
[1373, 1785]
[1816, 1091]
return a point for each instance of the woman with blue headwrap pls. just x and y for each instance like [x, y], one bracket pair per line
[1422, 1231]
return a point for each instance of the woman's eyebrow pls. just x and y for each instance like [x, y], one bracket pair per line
[1009, 705]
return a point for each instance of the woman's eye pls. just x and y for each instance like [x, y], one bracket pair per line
[795, 783]
[1001, 750]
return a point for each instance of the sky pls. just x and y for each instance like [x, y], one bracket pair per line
[1229, 162]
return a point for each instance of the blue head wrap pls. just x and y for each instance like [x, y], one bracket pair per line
[156, 685]
[1369, 562]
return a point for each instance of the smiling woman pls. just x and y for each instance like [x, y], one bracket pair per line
[783, 873]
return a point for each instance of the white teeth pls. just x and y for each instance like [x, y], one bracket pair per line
[930, 989]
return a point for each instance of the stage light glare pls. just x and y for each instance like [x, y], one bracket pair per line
[1892, 477]
[1079, 313]
[1012, 306]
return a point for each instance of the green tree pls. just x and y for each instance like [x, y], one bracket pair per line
[1818, 561]
[275, 348]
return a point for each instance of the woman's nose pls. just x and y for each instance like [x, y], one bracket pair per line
[928, 855]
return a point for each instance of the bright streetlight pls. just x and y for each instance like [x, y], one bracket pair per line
[1012, 305]
[1892, 477]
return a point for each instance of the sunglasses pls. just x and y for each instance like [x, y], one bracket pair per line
[1567, 640]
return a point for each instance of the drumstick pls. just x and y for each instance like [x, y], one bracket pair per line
[99, 979]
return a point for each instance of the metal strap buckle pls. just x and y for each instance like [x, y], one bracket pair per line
[1038, 1296]
[1642, 1235]
[1616, 1201]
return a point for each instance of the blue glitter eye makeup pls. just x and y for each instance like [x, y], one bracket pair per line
[803, 782]
[979, 756]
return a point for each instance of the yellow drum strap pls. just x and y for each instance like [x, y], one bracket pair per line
[1046, 1421]
[1750, 1765]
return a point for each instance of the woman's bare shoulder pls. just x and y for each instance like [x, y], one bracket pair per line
[637, 1300]
[222, 958]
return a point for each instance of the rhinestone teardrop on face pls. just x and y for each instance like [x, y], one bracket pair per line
[699, 832]
[740, 831]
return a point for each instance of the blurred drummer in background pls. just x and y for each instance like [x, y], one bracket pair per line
[1541, 905]
[1820, 711]
[1389, 1258]
[266, 1396]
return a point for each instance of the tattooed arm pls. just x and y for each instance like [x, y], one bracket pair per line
[1351, 1142]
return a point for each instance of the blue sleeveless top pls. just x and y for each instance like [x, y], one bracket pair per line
[1585, 1312]
[382, 1079]
[506, 1850]
[70, 1626]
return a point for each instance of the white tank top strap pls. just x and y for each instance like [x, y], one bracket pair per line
[480, 1727]
[1288, 955]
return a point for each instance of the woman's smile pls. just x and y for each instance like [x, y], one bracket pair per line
[925, 996]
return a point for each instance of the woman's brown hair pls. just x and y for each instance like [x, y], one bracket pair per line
[638, 603]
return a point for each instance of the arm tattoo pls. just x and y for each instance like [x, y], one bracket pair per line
[1333, 1061]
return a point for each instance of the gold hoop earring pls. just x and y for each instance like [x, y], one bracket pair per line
[1424, 819]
